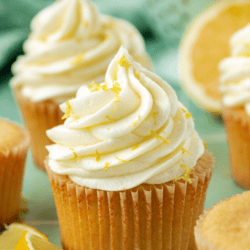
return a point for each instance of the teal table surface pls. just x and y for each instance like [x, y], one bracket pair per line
[36, 188]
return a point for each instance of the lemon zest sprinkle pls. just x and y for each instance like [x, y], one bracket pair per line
[97, 156]
[137, 74]
[123, 62]
[205, 144]
[136, 146]
[78, 59]
[154, 115]
[123, 188]
[68, 110]
[94, 87]
[120, 159]
[75, 154]
[158, 137]
[186, 151]
[184, 110]
[185, 175]
[188, 115]
[116, 89]
[106, 166]
[109, 118]
[135, 122]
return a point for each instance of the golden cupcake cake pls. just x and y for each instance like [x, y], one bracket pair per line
[225, 226]
[127, 170]
[13, 149]
[70, 44]
[235, 88]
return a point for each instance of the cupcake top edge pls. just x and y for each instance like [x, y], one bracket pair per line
[11, 135]
[72, 44]
[226, 225]
[130, 129]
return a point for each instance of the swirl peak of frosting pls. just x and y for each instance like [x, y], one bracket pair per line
[72, 44]
[235, 71]
[130, 129]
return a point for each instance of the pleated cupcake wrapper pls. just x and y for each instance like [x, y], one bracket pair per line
[12, 162]
[146, 217]
[39, 117]
[237, 124]
[201, 241]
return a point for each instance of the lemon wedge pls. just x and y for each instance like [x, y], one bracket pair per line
[29, 241]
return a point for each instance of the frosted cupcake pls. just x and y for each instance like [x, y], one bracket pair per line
[71, 44]
[235, 87]
[226, 226]
[128, 169]
[14, 143]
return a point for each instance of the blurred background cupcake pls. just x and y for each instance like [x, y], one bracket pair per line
[235, 88]
[70, 44]
[14, 142]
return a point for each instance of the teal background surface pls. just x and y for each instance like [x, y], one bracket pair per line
[36, 189]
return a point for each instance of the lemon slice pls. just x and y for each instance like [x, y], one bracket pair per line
[29, 241]
[204, 45]
[10, 237]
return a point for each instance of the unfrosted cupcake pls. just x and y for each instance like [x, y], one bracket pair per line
[226, 226]
[71, 44]
[235, 87]
[14, 143]
[128, 170]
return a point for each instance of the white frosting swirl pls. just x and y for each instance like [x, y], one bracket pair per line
[124, 132]
[235, 70]
[71, 44]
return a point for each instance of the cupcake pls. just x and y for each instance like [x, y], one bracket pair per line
[225, 226]
[13, 149]
[235, 87]
[127, 170]
[71, 44]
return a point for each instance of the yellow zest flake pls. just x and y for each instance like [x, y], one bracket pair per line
[68, 110]
[104, 87]
[108, 128]
[137, 74]
[188, 115]
[186, 151]
[116, 89]
[123, 188]
[154, 115]
[184, 110]
[120, 159]
[186, 174]
[123, 62]
[106, 166]
[78, 59]
[109, 118]
[136, 146]
[75, 154]
[135, 122]
[94, 87]
[97, 156]
[205, 144]
[158, 137]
